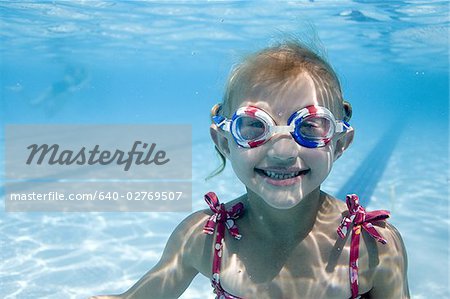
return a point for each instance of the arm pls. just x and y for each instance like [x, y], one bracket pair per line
[390, 279]
[174, 272]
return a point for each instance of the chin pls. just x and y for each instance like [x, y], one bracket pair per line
[287, 198]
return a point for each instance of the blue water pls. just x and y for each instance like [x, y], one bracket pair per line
[149, 62]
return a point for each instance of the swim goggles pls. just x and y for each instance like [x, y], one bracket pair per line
[311, 127]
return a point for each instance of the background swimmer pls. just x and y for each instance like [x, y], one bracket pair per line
[53, 98]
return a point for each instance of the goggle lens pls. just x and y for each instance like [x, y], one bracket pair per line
[314, 128]
[250, 128]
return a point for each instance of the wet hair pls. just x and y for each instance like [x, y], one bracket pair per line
[274, 68]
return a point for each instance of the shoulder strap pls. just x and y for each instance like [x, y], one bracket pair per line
[218, 221]
[359, 219]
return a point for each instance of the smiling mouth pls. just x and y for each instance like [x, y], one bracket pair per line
[281, 174]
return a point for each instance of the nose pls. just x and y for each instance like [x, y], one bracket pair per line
[284, 151]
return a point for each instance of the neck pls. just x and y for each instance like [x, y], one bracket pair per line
[294, 223]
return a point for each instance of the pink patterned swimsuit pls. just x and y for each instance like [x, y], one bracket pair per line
[358, 218]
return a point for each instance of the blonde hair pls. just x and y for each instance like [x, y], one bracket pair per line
[274, 68]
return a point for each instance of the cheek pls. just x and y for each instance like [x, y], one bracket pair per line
[242, 160]
[321, 160]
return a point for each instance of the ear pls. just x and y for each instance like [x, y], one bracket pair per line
[220, 140]
[343, 143]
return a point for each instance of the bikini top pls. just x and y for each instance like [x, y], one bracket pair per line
[356, 220]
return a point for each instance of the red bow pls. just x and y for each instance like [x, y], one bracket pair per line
[359, 217]
[222, 215]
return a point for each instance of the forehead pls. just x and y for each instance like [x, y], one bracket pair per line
[289, 94]
[283, 96]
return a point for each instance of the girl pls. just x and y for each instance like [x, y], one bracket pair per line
[282, 124]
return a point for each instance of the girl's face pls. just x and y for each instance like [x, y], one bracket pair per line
[281, 171]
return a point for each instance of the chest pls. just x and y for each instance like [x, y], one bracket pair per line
[316, 267]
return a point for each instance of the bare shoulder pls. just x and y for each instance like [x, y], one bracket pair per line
[198, 245]
[390, 277]
[393, 249]
[393, 237]
[189, 236]
[336, 209]
[393, 253]
[388, 262]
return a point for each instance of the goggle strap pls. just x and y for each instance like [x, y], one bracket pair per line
[217, 119]
[227, 125]
[221, 122]
[347, 125]
[342, 126]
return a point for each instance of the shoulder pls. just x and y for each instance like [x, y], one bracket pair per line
[192, 226]
[386, 263]
[394, 249]
[393, 252]
[198, 245]
[188, 236]
[390, 276]
[391, 234]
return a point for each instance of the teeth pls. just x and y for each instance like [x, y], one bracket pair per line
[281, 176]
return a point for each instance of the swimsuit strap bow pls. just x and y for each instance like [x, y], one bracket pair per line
[222, 215]
[360, 218]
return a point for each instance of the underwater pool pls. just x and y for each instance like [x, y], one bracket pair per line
[144, 62]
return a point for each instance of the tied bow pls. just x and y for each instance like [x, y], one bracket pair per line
[359, 217]
[222, 215]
